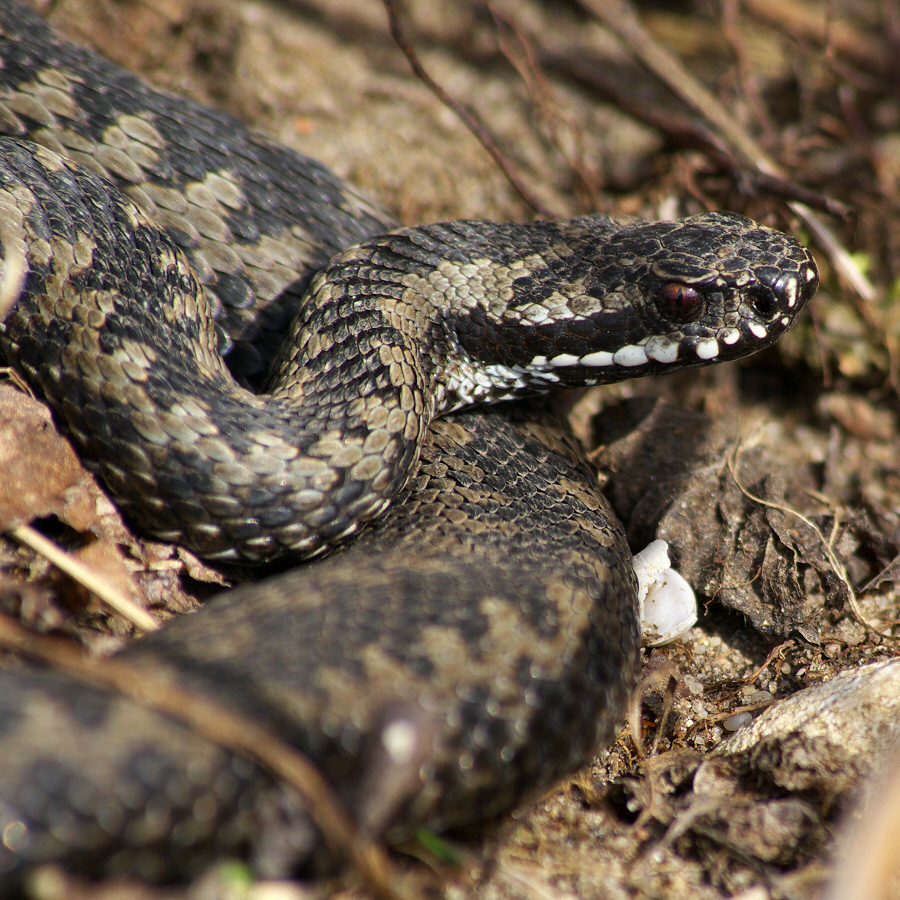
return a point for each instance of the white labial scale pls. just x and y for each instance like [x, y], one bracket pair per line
[666, 601]
[662, 350]
[758, 330]
[708, 349]
[630, 355]
[599, 359]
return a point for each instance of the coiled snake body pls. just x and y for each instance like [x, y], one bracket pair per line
[493, 606]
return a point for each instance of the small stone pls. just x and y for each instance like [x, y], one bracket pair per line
[738, 720]
[693, 685]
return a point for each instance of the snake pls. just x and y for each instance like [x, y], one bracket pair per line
[260, 364]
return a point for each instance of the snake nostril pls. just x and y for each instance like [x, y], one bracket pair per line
[680, 302]
[764, 303]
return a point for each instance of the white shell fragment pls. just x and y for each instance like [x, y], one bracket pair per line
[667, 603]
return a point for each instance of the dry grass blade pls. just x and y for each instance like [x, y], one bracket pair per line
[234, 732]
[663, 678]
[620, 18]
[85, 576]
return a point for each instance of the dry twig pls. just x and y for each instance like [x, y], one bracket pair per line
[85, 576]
[812, 23]
[477, 128]
[619, 17]
[869, 858]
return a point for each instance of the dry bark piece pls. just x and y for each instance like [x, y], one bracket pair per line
[669, 480]
[41, 474]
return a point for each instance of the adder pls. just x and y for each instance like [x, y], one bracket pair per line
[481, 591]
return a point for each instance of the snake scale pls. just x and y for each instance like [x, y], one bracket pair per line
[489, 601]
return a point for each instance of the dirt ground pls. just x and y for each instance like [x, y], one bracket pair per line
[810, 428]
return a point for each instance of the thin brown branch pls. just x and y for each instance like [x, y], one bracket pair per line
[476, 127]
[686, 131]
[530, 69]
[735, 35]
[813, 24]
[87, 577]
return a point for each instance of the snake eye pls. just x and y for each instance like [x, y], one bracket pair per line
[763, 303]
[679, 302]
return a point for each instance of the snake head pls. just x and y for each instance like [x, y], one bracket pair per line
[721, 286]
[669, 295]
[600, 301]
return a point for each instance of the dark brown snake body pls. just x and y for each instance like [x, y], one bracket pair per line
[491, 609]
